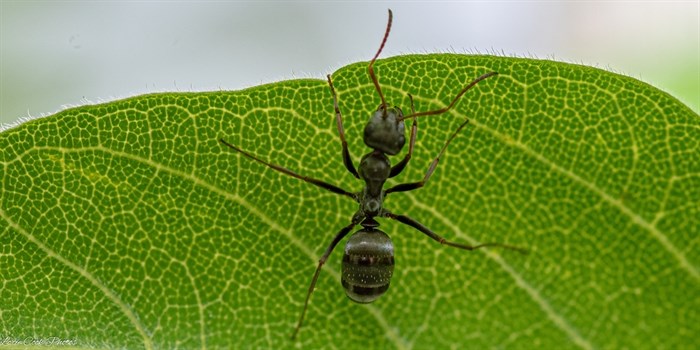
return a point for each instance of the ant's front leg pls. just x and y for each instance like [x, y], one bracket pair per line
[415, 185]
[398, 168]
[339, 122]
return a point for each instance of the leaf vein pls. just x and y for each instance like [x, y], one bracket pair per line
[637, 219]
[126, 309]
[390, 332]
[557, 319]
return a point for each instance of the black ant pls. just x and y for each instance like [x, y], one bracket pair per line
[368, 262]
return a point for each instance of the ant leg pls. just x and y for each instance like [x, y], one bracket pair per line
[415, 185]
[339, 122]
[284, 170]
[398, 168]
[343, 232]
[445, 109]
[420, 227]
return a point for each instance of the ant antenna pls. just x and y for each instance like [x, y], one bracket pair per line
[371, 69]
[445, 109]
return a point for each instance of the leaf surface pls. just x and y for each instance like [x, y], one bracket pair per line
[127, 225]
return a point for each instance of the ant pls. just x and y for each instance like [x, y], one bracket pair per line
[368, 262]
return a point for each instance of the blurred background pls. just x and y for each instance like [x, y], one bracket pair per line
[64, 53]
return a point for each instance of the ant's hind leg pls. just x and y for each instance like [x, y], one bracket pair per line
[338, 237]
[339, 122]
[398, 168]
[420, 227]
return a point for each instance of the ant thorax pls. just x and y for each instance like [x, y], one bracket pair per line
[375, 168]
[385, 131]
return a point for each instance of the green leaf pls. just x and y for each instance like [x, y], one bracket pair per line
[127, 225]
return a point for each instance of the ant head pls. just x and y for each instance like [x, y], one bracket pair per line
[385, 130]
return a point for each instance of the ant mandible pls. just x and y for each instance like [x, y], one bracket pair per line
[368, 262]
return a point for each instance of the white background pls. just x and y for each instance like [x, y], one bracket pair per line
[56, 53]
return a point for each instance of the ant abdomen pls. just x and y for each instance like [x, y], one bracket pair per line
[368, 264]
